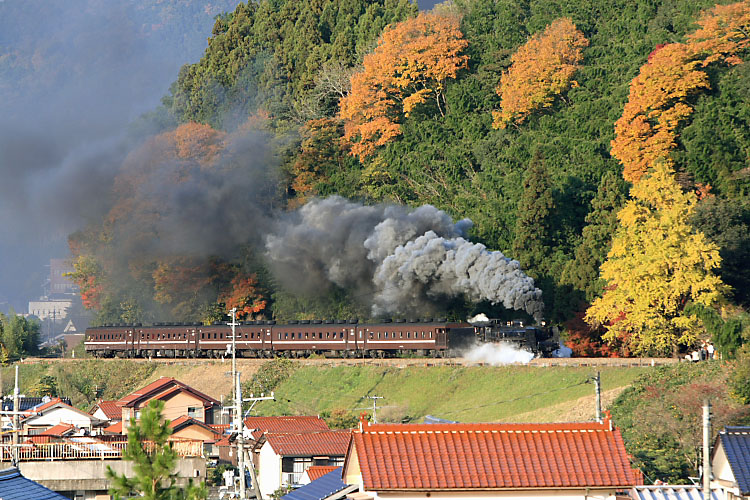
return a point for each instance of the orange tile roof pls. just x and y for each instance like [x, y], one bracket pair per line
[58, 430]
[115, 428]
[309, 444]
[154, 390]
[492, 456]
[40, 408]
[317, 471]
[38, 439]
[286, 424]
[111, 409]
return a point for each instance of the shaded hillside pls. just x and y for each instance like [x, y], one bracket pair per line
[544, 190]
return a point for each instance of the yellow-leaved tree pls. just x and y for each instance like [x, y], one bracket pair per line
[409, 67]
[541, 69]
[657, 264]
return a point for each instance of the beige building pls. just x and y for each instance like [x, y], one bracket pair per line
[180, 400]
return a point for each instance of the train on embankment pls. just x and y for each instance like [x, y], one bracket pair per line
[329, 338]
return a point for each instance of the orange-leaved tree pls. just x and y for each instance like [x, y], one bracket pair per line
[245, 295]
[541, 69]
[410, 66]
[658, 100]
[724, 32]
[88, 275]
[657, 104]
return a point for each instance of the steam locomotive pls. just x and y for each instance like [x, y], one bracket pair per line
[330, 338]
[539, 339]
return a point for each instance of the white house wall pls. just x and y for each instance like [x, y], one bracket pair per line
[269, 470]
[58, 416]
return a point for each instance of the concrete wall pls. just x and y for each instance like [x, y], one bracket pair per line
[91, 475]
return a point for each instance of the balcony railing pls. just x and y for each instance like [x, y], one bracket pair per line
[90, 449]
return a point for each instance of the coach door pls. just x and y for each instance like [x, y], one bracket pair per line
[192, 343]
[129, 343]
[351, 338]
[441, 338]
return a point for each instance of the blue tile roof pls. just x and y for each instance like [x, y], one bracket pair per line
[13, 486]
[736, 443]
[319, 489]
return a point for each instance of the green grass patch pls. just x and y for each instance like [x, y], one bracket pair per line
[455, 393]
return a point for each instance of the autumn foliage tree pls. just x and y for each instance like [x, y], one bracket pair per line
[656, 106]
[88, 276]
[244, 294]
[409, 67]
[541, 69]
[659, 96]
[657, 264]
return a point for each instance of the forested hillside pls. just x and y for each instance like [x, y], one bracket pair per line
[603, 144]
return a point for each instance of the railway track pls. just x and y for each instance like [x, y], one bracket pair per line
[396, 362]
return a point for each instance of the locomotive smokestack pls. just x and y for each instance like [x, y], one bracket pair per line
[407, 259]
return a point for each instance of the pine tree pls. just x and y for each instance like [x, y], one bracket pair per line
[657, 265]
[154, 461]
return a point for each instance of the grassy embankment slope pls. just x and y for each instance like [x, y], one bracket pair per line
[510, 393]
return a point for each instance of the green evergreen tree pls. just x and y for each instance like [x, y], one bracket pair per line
[533, 238]
[583, 271]
[154, 461]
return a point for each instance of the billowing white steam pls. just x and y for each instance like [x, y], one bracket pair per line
[407, 260]
[501, 353]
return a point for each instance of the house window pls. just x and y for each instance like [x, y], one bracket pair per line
[193, 412]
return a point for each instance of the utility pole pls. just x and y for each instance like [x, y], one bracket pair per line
[15, 421]
[253, 475]
[234, 324]
[374, 406]
[239, 426]
[598, 388]
[706, 449]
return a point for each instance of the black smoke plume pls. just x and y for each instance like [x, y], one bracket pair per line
[405, 260]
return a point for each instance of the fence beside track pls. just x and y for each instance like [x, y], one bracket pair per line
[389, 362]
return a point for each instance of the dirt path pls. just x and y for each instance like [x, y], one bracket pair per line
[579, 410]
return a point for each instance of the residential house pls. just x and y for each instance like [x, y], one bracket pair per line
[56, 412]
[107, 410]
[328, 486]
[179, 400]
[731, 462]
[481, 461]
[284, 456]
[24, 404]
[13, 486]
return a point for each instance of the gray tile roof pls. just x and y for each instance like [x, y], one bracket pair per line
[736, 443]
[13, 486]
